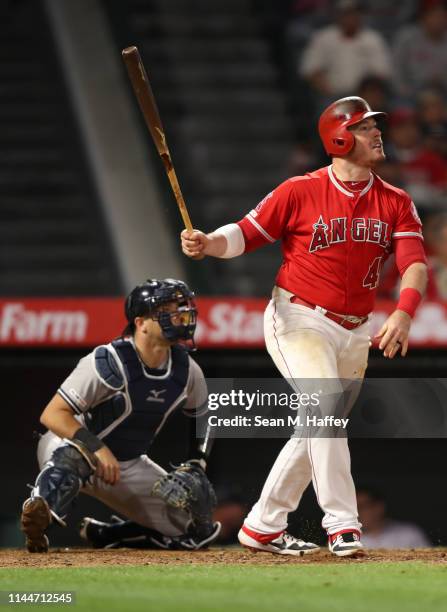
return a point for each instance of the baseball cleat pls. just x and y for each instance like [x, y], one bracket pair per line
[36, 517]
[278, 543]
[94, 532]
[117, 534]
[186, 542]
[346, 543]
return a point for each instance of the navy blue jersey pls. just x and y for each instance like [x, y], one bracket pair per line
[124, 402]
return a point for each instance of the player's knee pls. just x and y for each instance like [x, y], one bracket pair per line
[62, 478]
[69, 459]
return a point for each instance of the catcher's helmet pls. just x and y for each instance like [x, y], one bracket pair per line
[146, 299]
[337, 118]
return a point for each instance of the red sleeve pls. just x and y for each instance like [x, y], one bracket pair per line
[267, 222]
[408, 224]
[409, 251]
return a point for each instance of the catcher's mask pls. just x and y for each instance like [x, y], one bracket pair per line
[336, 120]
[150, 299]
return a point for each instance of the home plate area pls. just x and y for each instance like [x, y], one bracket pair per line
[84, 557]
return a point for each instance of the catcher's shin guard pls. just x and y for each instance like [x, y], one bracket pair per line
[56, 487]
[62, 478]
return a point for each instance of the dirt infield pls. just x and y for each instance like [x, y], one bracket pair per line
[85, 557]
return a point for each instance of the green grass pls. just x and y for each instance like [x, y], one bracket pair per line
[362, 587]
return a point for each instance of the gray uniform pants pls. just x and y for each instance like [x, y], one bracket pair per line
[131, 496]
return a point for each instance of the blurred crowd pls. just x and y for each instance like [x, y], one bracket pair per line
[393, 54]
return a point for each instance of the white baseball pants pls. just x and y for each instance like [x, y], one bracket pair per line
[305, 345]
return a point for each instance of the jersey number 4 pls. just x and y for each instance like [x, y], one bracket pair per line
[371, 279]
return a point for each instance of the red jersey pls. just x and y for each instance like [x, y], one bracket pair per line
[334, 241]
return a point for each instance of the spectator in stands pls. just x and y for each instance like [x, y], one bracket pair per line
[305, 16]
[376, 91]
[379, 531]
[432, 111]
[432, 107]
[386, 16]
[313, 11]
[435, 244]
[340, 55]
[436, 239]
[420, 51]
[423, 172]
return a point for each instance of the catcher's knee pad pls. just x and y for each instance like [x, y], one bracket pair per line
[62, 478]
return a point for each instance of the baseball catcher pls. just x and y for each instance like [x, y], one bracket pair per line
[103, 419]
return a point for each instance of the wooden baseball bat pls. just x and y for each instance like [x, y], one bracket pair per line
[146, 100]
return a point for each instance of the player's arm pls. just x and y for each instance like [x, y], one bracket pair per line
[263, 225]
[81, 390]
[410, 260]
[196, 408]
[58, 417]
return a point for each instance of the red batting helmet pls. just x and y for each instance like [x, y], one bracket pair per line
[337, 118]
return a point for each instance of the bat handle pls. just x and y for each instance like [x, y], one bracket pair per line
[179, 197]
[186, 219]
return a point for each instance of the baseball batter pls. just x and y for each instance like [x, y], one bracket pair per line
[101, 423]
[337, 226]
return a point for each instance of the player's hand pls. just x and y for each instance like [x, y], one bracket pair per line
[108, 468]
[194, 243]
[393, 335]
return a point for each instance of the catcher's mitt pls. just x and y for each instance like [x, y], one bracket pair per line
[188, 488]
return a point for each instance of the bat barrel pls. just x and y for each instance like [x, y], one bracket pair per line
[146, 100]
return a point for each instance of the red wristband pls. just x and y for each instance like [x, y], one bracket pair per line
[409, 300]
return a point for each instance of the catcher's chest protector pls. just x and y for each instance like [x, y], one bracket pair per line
[128, 421]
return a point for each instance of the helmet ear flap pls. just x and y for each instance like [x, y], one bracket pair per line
[342, 143]
[337, 139]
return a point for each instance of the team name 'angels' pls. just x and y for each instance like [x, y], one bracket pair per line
[362, 230]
